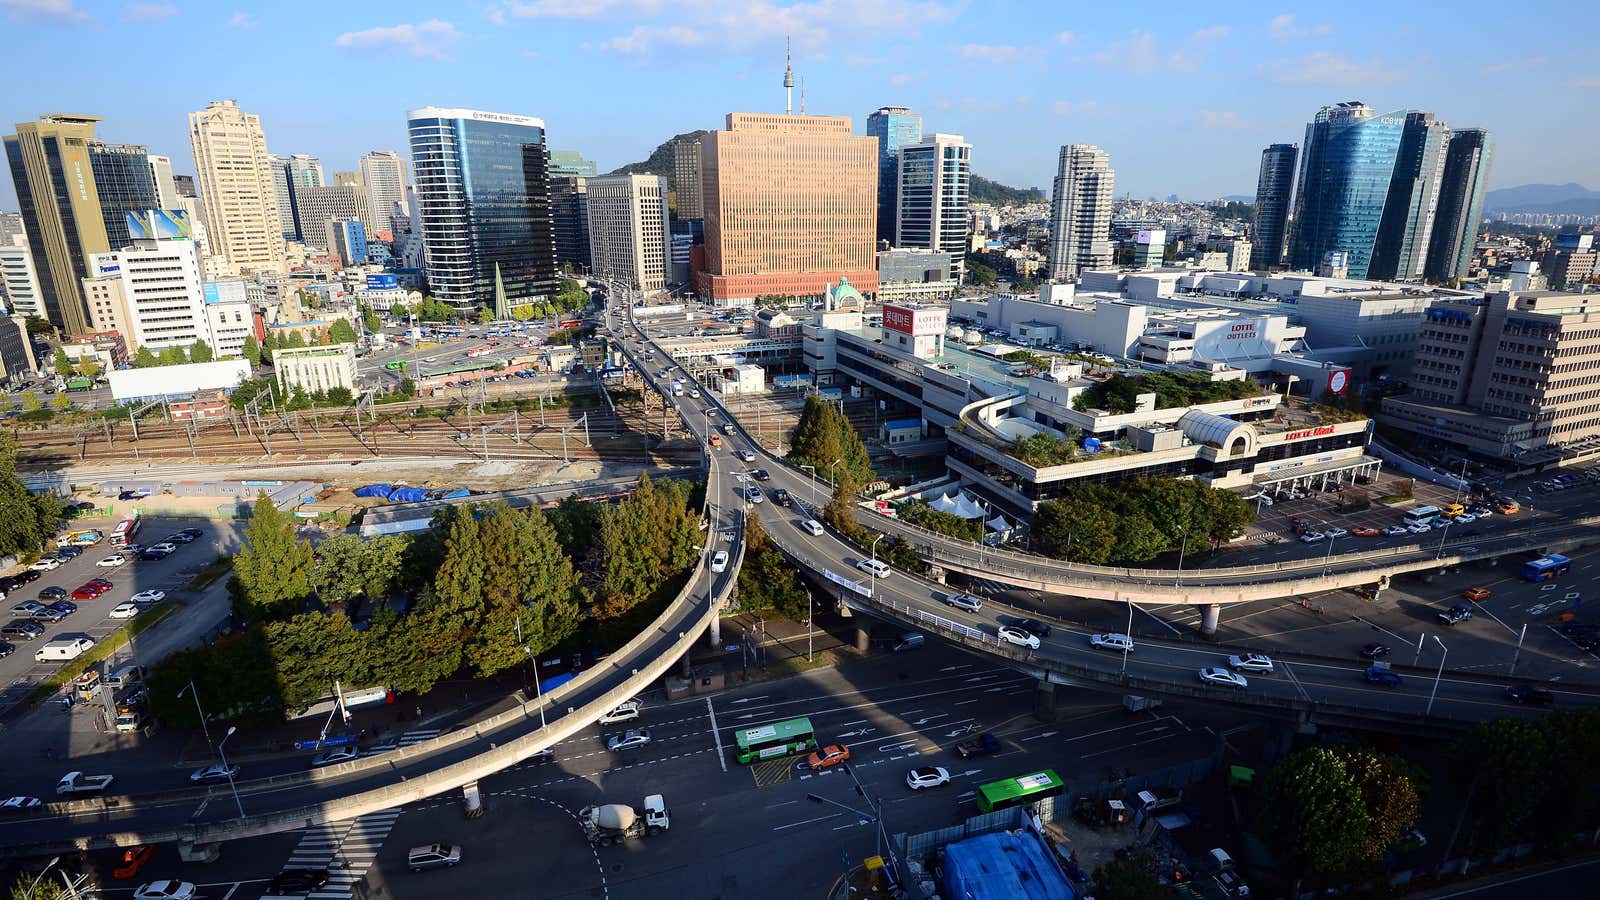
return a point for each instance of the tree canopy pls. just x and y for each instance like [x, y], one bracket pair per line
[767, 580]
[1136, 521]
[645, 540]
[272, 574]
[1172, 389]
[1335, 811]
[27, 520]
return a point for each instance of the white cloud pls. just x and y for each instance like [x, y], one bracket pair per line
[149, 12]
[1214, 33]
[1588, 84]
[47, 10]
[994, 53]
[900, 78]
[644, 38]
[1334, 69]
[1224, 119]
[1066, 37]
[1069, 108]
[242, 19]
[573, 9]
[424, 41]
[1285, 28]
[1512, 64]
[1137, 53]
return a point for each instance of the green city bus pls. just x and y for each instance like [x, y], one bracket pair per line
[1017, 791]
[397, 364]
[774, 739]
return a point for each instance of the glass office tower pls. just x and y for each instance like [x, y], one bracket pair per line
[1455, 229]
[1346, 164]
[1408, 214]
[1274, 187]
[126, 184]
[483, 198]
[894, 127]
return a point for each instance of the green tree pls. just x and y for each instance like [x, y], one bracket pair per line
[144, 359]
[766, 579]
[88, 368]
[1085, 533]
[37, 325]
[234, 677]
[31, 401]
[311, 651]
[822, 436]
[1326, 812]
[407, 387]
[251, 350]
[370, 319]
[400, 311]
[272, 574]
[1138, 540]
[1574, 740]
[1503, 767]
[340, 395]
[645, 540]
[173, 356]
[341, 332]
[61, 403]
[576, 523]
[925, 516]
[201, 352]
[1129, 877]
[62, 363]
[338, 574]
[981, 275]
[381, 566]
[23, 525]
[293, 340]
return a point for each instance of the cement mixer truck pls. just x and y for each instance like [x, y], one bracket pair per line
[614, 823]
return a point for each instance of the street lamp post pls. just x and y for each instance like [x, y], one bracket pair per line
[813, 471]
[538, 690]
[1442, 537]
[1437, 675]
[203, 728]
[1183, 549]
[1328, 556]
[40, 877]
[229, 772]
[1518, 655]
[811, 623]
[1129, 636]
[875, 559]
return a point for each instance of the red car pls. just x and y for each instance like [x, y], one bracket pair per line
[100, 583]
[829, 756]
[87, 592]
[133, 860]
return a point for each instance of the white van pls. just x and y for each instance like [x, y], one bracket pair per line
[812, 527]
[63, 649]
[125, 676]
[875, 567]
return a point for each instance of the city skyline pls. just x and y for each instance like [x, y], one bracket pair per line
[1031, 79]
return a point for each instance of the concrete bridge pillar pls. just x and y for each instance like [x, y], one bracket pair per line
[1044, 701]
[863, 639]
[1209, 615]
[714, 632]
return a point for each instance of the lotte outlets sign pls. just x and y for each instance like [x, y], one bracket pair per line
[914, 321]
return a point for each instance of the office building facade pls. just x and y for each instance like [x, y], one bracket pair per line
[17, 362]
[1080, 212]
[316, 369]
[571, 163]
[935, 195]
[237, 187]
[315, 207]
[19, 284]
[483, 202]
[1409, 212]
[894, 127]
[629, 240]
[1274, 190]
[125, 182]
[569, 213]
[166, 186]
[289, 174]
[160, 283]
[686, 195]
[54, 180]
[383, 174]
[229, 316]
[1466, 174]
[1346, 163]
[347, 239]
[790, 206]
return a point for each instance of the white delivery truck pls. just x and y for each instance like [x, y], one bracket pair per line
[62, 649]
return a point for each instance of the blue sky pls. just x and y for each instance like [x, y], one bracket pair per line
[1183, 97]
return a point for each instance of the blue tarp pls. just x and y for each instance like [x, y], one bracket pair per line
[555, 681]
[1003, 866]
[374, 490]
[453, 494]
[407, 495]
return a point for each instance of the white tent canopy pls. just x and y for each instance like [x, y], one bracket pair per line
[998, 523]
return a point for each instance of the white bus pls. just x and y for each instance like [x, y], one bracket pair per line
[1423, 515]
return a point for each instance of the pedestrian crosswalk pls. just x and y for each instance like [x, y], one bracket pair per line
[419, 735]
[345, 849]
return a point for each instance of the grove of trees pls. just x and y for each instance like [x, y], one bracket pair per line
[1334, 811]
[27, 520]
[767, 580]
[1172, 389]
[1135, 521]
[822, 438]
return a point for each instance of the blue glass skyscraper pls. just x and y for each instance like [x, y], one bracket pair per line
[483, 200]
[1455, 229]
[894, 127]
[1346, 164]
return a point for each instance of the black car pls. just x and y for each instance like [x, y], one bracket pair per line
[69, 552]
[1529, 695]
[21, 628]
[298, 881]
[182, 537]
[154, 555]
[192, 533]
[1034, 627]
[1374, 651]
[52, 592]
[760, 475]
[6, 649]
[28, 576]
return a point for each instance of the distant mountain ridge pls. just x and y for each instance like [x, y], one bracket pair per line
[1570, 198]
[983, 190]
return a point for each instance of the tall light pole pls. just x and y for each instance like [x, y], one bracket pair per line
[1327, 557]
[811, 623]
[875, 568]
[831, 473]
[527, 653]
[813, 471]
[1129, 636]
[1183, 549]
[1437, 675]
[37, 878]
[1442, 537]
[229, 772]
[196, 694]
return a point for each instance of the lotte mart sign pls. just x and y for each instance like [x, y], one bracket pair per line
[915, 322]
[1319, 431]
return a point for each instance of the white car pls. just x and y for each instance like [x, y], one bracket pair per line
[165, 890]
[19, 804]
[127, 609]
[1311, 537]
[1251, 662]
[754, 495]
[46, 564]
[1223, 677]
[1011, 634]
[164, 548]
[334, 755]
[926, 777]
[964, 601]
[1119, 643]
[1465, 519]
[1396, 531]
[1418, 528]
[145, 598]
[745, 455]
[719, 561]
[1336, 533]
[626, 711]
[112, 561]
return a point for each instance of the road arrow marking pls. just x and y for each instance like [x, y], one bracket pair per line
[926, 719]
[965, 729]
[1044, 735]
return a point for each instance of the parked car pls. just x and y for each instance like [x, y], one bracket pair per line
[1333, 533]
[1397, 531]
[1119, 643]
[1419, 528]
[1311, 537]
[432, 856]
[27, 608]
[1365, 531]
[52, 593]
[46, 564]
[21, 629]
[925, 777]
[146, 598]
[112, 561]
[1224, 677]
[127, 609]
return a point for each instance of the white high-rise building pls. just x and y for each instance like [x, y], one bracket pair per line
[166, 188]
[629, 239]
[19, 283]
[163, 301]
[934, 194]
[235, 175]
[228, 316]
[383, 173]
[1080, 212]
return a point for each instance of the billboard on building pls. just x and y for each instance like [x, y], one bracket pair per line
[914, 321]
[382, 282]
[159, 225]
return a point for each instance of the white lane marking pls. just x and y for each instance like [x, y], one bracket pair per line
[721, 758]
[807, 821]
